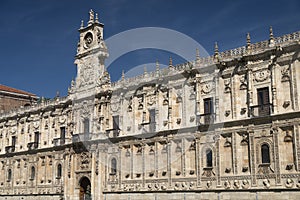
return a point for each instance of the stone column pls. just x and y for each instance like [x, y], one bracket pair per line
[276, 156]
[296, 147]
[93, 177]
[183, 157]
[198, 162]
[183, 105]
[217, 111]
[131, 161]
[273, 88]
[252, 157]
[293, 81]
[143, 165]
[119, 167]
[217, 157]
[233, 97]
[234, 154]
[249, 90]
[198, 96]
[169, 164]
[156, 159]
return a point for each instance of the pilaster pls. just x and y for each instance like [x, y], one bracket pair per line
[252, 157]
[276, 156]
[198, 164]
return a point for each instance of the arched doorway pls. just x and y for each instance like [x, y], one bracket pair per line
[85, 189]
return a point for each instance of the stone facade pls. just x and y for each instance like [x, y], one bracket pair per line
[221, 127]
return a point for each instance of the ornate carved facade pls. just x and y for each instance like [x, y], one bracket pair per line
[222, 127]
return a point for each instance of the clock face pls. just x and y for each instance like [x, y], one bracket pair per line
[88, 40]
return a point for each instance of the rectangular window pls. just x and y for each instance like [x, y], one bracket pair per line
[62, 134]
[152, 121]
[116, 122]
[208, 106]
[116, 127]
[36, 139]
[208, 111]
[13, 141]
[263, 101]
[86, 129]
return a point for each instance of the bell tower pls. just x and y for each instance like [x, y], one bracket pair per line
[91, 54]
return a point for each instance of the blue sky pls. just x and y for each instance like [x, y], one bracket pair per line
[38, 38]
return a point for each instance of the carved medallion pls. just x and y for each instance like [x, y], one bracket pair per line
[262, 75]
[207, 88]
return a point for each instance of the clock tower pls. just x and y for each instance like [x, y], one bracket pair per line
[90, 57]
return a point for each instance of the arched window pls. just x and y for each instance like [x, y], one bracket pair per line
[59, 171]
[32, 175]
[265, 153]
[209, 158]
[113, 166]
[9, 175]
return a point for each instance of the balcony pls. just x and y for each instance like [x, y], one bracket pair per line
[32, 145]
[9, 149]
[112, 133]
[207, 118]
[261, 110]
[59, 141]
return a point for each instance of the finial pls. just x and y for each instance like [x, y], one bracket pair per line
[271, 40]
[170, 62]
[145, 70]
[157, 65]
[57, 94]
[248, 40]
[96, 19]
[197, 56]
[271, 33]
[91, 21]
[82, 24]
[123, 75]
[216, 49]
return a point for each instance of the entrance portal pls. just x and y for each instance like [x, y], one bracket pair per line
[85, 189]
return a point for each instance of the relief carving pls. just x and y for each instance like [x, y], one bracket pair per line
[262, 75]
[285, 74]
[206, 88]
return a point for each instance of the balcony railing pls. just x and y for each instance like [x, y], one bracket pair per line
[112, 133]
[32, 145]
[10, 149]
[59, 141]
[261, 110]
[207, 118]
